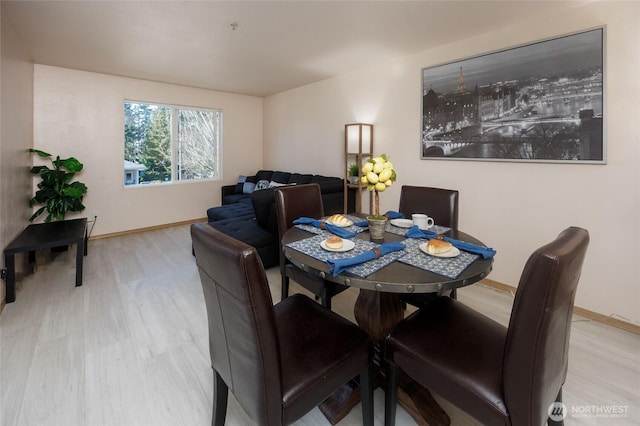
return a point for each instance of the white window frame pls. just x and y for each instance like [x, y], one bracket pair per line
[176, 155]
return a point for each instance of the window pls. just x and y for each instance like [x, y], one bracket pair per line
[164, 143]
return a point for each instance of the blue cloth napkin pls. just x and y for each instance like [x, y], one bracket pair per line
[336, 230]
[485, 252]
[339, 265]
[394, 215]
[390, 215]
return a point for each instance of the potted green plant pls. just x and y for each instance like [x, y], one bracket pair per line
[354, 170]
[56, 191]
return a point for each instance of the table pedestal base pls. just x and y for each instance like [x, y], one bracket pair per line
[414, 398]
[420, 404]
[338, 405]
[376, 313]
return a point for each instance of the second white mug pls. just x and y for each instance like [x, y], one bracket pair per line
[422, 221]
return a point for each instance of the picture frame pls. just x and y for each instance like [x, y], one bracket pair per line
[538, 102]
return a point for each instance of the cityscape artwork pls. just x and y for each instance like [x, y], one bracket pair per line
[538, 102]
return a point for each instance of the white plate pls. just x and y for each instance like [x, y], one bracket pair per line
[402, 223]
[346, 246]
[348, 223]
[451, 253]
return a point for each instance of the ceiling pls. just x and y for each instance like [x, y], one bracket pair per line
[255, 48]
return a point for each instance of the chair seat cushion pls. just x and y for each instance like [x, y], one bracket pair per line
[321, 351]
[463, 350]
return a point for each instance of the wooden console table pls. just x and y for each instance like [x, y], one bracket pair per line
[42, 236]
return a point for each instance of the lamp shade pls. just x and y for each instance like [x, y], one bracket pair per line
[359, 136]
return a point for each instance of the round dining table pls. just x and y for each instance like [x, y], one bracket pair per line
[387, 283]
[378, 306]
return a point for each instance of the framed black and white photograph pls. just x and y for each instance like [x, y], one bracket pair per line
[538, 102]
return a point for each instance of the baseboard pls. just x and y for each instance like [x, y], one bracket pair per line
[148, 228]
[614, 322]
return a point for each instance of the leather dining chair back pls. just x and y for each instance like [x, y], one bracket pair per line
[440, 204]
[537, 343]
[279, 362]
[500, 376]
[293, 202]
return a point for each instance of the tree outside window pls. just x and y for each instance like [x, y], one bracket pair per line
[168, 143]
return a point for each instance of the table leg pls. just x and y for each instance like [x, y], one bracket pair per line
[79, 260]
[10, 264]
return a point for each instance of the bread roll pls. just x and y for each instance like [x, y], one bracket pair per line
[333, 242]
[436, 246]
[338, 219]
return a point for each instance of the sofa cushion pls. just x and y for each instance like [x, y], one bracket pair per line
[236, 198]
[229, 211]
[280, 177]
[328, 184]
[245, 229]
[263, 175]
[300, 179]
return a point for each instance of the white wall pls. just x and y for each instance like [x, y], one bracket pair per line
[16, 136]
[81, 114]
[514, 207]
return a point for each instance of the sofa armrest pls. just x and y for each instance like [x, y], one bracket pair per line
[228, 190]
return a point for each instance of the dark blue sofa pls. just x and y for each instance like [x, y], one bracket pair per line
[249, 215]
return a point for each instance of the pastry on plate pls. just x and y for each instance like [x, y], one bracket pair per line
[436, 246]
[333, 242]
[340, 220]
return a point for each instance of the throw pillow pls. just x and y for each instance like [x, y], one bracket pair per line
[240, 184]
[261, 184]
[248, 187]
[274, 184]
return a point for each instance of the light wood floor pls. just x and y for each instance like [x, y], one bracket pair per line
[129, 347]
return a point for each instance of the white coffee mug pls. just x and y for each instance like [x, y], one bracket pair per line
[422, 221]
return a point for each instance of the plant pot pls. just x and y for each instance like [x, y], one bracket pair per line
[377, 225]
[354, 180]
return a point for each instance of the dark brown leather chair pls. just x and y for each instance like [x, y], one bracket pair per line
[442, 206]
[278, 361]
[293, 202]
[500, 376]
